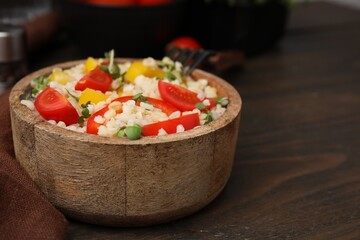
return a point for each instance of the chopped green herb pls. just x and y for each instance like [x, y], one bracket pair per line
[104, 68]
[85, 113]
[121, 85]
[222, 101]
[113, 69]
[39, 84]
[170, 76]
[76, 98]
[86, 104]
[200, 106]
[115, 72]
[209, 117]
[81, 121]
[139, 98]
[168, 66]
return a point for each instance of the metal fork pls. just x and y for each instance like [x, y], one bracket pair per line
[190, 58]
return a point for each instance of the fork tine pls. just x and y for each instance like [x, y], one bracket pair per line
[190, 56]
[173, 53]
[201, 56]
[182, 56]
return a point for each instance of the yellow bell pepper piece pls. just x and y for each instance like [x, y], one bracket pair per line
[90, 64]
[60, 77]
[138, 68]
[92, 95]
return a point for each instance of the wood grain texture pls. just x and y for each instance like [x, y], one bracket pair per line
[296, 172]
[119, 182]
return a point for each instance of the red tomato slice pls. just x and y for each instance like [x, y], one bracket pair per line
[51, 105]
[185, 42]
[92, 127]
[152, 2]
[180, 97]
[188, 121]
[165, 107]
[95, 79]
[123, 99]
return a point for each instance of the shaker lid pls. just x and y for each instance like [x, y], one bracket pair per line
[12, 43]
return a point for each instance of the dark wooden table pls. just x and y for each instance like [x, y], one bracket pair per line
[296, 171]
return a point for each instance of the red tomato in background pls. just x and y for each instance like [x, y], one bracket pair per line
[185, 42]
[51, 105]
[152, 2]
[188, 121]
[95, 79]
[111, 2]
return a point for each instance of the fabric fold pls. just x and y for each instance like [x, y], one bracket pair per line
[25, 213]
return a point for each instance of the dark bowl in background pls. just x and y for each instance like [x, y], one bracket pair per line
[133, 31]
[252, 28]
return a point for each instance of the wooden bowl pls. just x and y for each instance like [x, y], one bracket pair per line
[119, 182]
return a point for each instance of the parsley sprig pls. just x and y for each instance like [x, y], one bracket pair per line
[170, 71]
[38, 84]
[209, 117]
[85, 113]
[140, 98]
[113, 69]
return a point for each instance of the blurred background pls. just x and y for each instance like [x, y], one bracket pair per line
[235, 29]
[140, 28]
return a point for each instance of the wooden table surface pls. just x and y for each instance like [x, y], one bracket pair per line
[296, 172]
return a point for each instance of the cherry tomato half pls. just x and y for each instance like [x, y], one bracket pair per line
[51, 105]
[180, 97]
[185, 42]
[188, 121]
[96, 79]
[165, 107]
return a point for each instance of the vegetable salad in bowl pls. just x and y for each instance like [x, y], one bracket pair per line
[131, 99]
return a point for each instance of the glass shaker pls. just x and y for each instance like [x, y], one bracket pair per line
[13, 65]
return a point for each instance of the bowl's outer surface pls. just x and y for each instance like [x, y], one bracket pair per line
[118, 182]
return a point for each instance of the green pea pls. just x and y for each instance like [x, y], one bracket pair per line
[133, 132]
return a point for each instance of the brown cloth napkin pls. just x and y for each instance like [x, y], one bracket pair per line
[25, 213]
